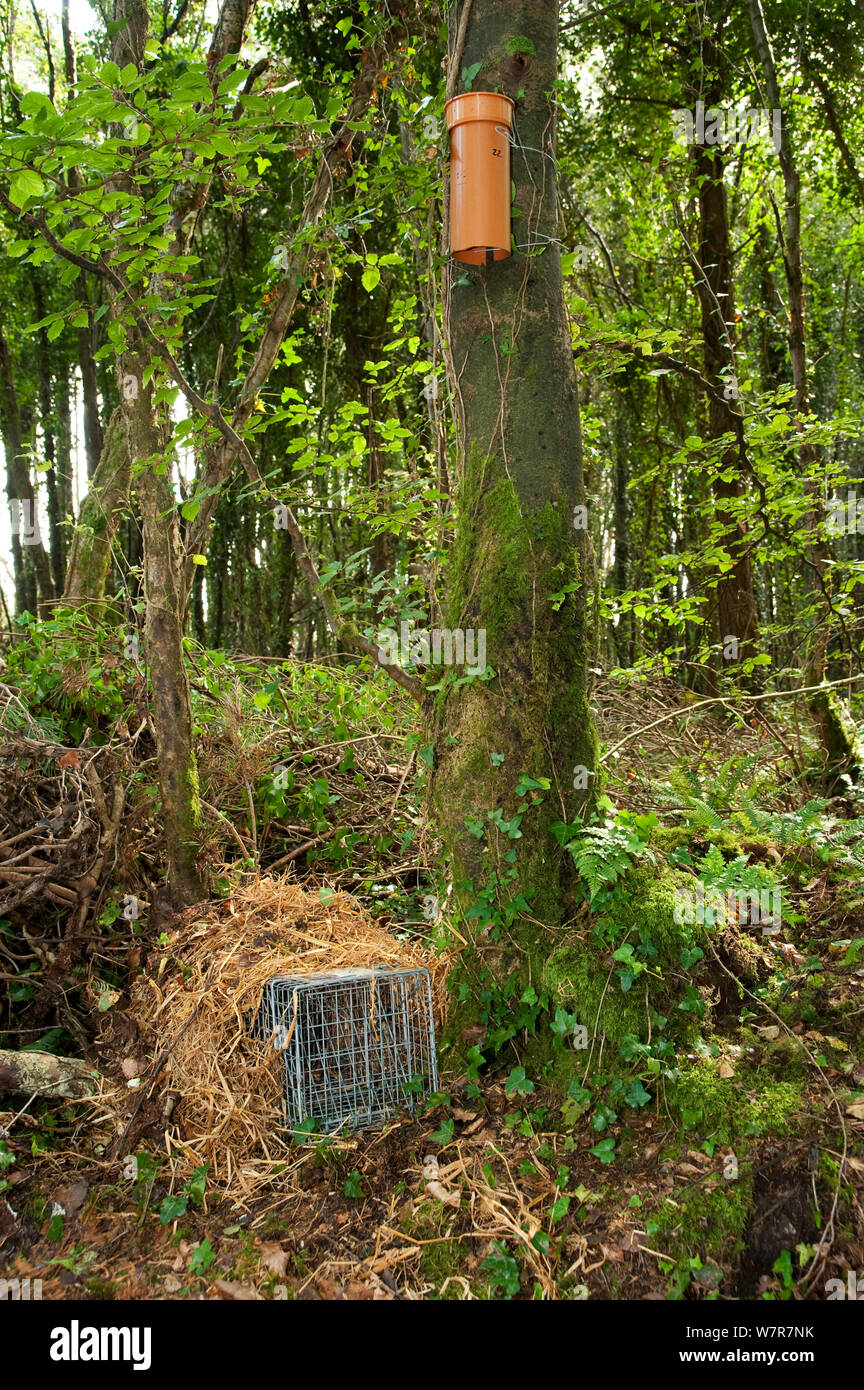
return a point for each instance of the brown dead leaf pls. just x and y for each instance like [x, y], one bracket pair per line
[71, 1198]
[356, 1292]
[273, 1257]
[326, 1289]
[130, 1066]
[856, 1110]
[724, 1071]
[226, 1288]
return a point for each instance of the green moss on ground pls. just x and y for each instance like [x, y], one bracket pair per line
[584, 979]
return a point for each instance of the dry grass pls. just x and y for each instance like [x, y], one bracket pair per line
[202, 995]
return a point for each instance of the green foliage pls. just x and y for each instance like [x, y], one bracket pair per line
[202, 1257]
[502, 1271]
[605, 853]
[173, 1207]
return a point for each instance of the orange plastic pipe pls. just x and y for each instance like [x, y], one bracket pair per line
[479, 125]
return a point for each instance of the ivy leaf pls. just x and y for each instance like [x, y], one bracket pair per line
[444, 1135]
[559, 1209]
[637, 1095]
[202, 1258]
[172, 1209]
[517, 1083]
[605, 1151]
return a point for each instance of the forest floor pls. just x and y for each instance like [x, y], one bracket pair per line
[742, 1179]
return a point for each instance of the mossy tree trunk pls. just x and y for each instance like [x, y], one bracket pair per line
[147, 429]
[521, 567]
[100, 514]
[736, 613]
[147, 443]
[840, 743]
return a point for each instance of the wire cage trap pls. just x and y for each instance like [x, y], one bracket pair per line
[357, 1044]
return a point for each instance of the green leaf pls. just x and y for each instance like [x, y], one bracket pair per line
[199, 559]
[517, 1083]
[26, 184]
[202, 1258]
[371, 277]
[172, 1209]
[353, 1187]
[503, 1271]
[194, 1188]
[444, 1135]
[605, 1151]
[560, 1208]
[468, 75]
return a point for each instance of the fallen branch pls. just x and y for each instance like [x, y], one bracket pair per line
[726, 700]
[43, 1074]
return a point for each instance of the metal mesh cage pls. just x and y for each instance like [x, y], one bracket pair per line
[357, 1044]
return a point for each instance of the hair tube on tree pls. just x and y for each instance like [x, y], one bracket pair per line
[479, 125]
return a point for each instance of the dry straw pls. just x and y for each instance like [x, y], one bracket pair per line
[203, 993]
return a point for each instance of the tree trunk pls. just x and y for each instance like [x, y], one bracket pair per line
[93, 438]
[736, 614]
[165, 598]
[98, 519]
[521, 567]
[147, 431]
[48, 422]
[32, 580]
[836, 727]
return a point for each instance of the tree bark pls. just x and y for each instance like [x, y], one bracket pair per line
[98, 519]
[836, 726]
[165, 597]
[521, 565]
[736, 614]
[32, 581]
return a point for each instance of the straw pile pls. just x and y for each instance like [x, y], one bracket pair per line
[203, 993]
